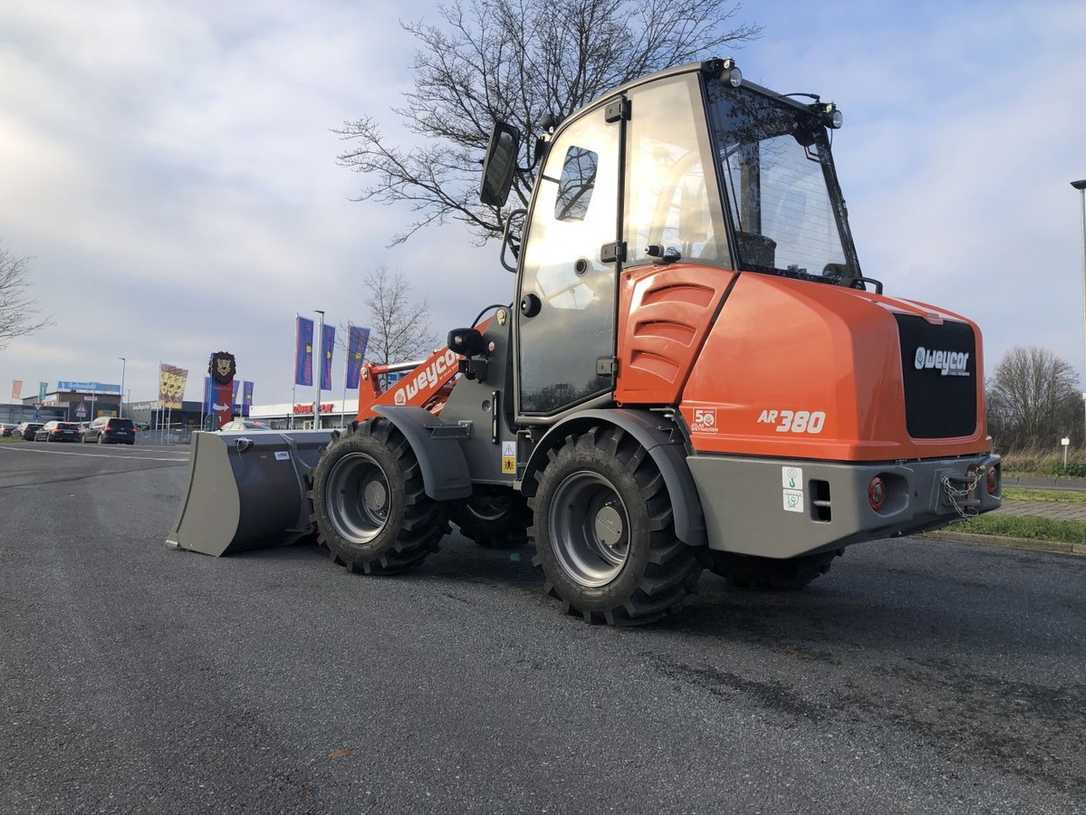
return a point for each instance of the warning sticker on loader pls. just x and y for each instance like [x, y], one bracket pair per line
[509, 458]
[792, 488]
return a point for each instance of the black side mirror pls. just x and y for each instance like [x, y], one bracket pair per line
[500, 164]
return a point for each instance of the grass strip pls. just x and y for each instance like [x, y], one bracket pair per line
[1054, 496]
[1023, 526]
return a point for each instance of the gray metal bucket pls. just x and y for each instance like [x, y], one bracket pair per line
[247, 490]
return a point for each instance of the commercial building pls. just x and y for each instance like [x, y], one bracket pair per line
[77, 401]
[187, 417]
[13, 413]
[282, 416]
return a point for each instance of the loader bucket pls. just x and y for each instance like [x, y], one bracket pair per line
[247, 490]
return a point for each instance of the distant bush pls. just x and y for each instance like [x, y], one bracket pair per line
[1045, 462]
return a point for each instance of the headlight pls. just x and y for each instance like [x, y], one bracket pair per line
[832, 116]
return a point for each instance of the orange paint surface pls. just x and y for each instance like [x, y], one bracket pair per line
[785, 345]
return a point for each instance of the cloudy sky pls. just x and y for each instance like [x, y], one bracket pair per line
[170, 170]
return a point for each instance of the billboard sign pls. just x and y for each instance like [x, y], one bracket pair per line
[72, 386]
[171, 385]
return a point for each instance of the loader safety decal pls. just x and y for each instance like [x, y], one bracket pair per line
[792, 488]
[509, 458]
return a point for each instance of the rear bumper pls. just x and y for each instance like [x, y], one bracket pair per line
[744, 501]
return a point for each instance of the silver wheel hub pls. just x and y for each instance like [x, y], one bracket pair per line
[589, 527]
[356, 498]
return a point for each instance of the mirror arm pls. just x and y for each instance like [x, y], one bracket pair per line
[516, 213]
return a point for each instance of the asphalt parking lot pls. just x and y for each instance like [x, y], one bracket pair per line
[916, 677]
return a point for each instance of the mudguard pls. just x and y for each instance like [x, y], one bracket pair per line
[445, 473]
[663, 442]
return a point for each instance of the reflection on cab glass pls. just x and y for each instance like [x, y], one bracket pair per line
[576, 184]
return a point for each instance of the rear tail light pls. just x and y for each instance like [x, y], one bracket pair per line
[992, 481]
[876, 493]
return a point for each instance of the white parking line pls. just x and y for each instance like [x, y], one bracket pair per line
[21, 449]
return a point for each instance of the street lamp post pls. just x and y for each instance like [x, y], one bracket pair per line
[1080, 185]
[120, 404]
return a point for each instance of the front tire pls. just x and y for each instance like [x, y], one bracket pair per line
[604, 533]
[372, 513]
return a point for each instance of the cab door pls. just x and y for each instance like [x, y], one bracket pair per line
[570, 266]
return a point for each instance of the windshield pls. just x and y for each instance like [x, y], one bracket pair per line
[775, 161]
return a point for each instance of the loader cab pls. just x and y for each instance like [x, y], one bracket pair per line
[691, 164]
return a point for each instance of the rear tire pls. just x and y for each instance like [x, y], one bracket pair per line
[496, 518]
[771, 574]
[372, 513]
[604, 534]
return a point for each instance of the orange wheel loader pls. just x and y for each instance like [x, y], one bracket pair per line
[693, 373]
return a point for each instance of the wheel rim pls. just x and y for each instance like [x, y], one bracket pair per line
[357, 498]
[589, 529]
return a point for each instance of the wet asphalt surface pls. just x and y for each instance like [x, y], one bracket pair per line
[916, 677]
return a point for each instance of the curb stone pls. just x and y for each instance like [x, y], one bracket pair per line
[1031, 544]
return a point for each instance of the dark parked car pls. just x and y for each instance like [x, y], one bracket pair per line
[27, 430]
[7, 429]
[110, 430]
[58, 431]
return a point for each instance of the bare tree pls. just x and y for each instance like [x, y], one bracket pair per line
[518, 61]
[399, 325]
[1033, 400]
[19, 314]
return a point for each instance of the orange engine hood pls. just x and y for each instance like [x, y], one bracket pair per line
[799, 369]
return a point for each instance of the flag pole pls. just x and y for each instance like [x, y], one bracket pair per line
[343, 403]
[318, 375]
[294, 379]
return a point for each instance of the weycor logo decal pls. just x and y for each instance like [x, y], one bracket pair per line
[427, 377]
[947, 363]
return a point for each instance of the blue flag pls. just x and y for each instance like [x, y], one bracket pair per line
[209, 396]
[328, 344]
[358, 339]
[303, 352]
[247, 398]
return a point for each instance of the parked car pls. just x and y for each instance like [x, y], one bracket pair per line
[110, 430]
[7, 429]
[26, 430]
[58, 431]
[243, 425]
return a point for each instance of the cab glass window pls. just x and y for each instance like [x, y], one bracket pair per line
[573, 216]
[671, 191]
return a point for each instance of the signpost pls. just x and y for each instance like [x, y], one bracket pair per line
[1066, 442]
